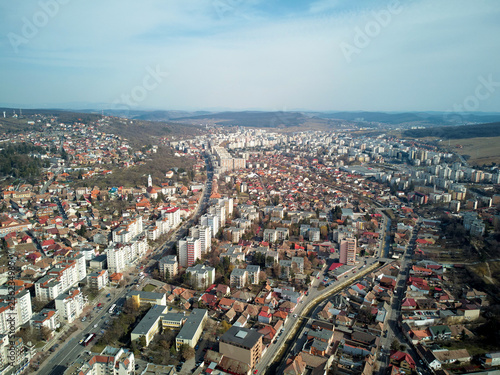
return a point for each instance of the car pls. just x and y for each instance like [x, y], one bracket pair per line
[255, 371]
[84, 318]
[196, 347]
[294, 315]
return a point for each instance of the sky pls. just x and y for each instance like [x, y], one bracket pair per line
[321, 55]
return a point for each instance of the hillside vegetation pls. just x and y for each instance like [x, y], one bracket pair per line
[456, 132]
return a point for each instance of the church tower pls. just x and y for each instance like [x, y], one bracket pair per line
[150, 181]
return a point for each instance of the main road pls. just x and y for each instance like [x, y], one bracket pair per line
[308, 307]
[68, 352]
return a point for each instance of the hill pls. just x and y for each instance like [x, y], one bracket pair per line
[253, 119]
[456, 132]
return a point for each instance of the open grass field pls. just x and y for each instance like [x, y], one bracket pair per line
[483, 150]
[149, 288]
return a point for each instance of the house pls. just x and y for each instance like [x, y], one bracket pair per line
[491, 359]
[404, 361]
[440, 332]
[452, 356]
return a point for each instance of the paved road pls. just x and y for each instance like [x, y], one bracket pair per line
[70, 350]
[392, 329]
[314, 297]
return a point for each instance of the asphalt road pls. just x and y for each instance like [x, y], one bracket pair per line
[70, 350]
[297, 317]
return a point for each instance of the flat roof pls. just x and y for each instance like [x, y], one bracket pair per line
[151, 317]
[241, 336]
[193, 321]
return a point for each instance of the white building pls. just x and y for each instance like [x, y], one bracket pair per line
[128, 230]
[70, 304]
[169, 263]
[111, 361]
[21, 311]
[202, 276]
[212, 221]
[47, 318]
[173, 214]
[204, 234]
[98, 280]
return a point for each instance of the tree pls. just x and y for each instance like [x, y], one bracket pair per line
[45, 333]
[131, 306]
[224, 327]
[395, 345]
[142, 342]
[186, 351]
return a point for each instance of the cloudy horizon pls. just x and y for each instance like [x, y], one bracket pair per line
[323, 55]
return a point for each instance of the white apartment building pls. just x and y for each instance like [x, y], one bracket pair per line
[70, 304]
[48, 288]
[98, 280]
[201, 275]
[173, 214]
[169, 263]
[163, 225]
[46, 318]
[128, 230]
[204, 234]
[111, 361]
[21, 312]
[212, 221]
[117, 255]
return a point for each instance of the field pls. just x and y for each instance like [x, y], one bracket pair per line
[481, 150]
[149, 288]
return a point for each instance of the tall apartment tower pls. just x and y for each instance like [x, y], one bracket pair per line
[188, 250]
[212, 221]
[204, 234]
[348, 251]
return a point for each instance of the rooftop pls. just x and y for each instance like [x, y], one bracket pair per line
[240, 336]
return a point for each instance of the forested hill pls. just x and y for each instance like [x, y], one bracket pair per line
[457, 132]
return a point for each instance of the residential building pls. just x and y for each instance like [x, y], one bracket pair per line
[189, 250]
[239, 278]
[98, 280]
[204, 234]
[242, 344]
[348, 251]
[70, 304]
[169, 267]
[111, 361]
[212, 221]
[253, 274]
[201, 276]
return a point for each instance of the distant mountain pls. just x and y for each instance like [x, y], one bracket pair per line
[254, 119]
[423, 118]
[457, 132]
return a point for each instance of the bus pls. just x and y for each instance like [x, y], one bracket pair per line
[112, 308]
[89, 338]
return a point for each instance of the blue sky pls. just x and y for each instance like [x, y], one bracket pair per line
[251, 54]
